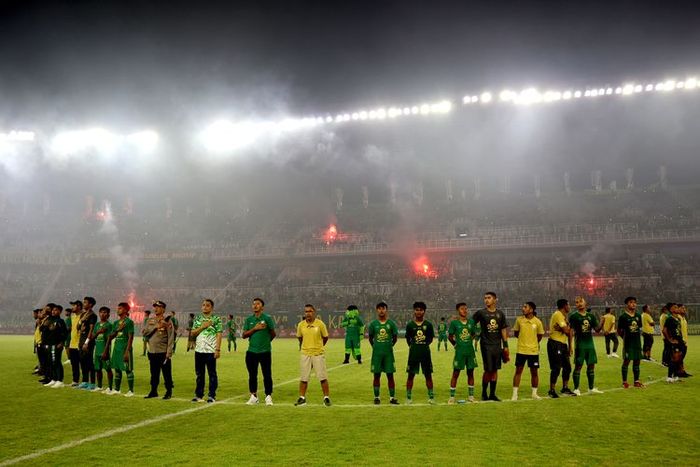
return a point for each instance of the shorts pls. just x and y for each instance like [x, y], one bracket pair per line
[101, 364]
[558, 355]
[648, 341]
[491, 356]
[442, 337]
[419, 359]
[464, 358]
[632, 350]
[383, 362]
[585, 355]
[231, 337]
[317, 362]
[533, 361]
[118, 363]
[352, 342]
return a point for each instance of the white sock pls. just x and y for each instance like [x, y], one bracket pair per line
[534, 391]
[515, 392]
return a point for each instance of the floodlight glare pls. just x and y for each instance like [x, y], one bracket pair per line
[145, 141]
[566, 95]
[226, 136]
[486, 97]
[577, 94]
[17, 136]
[691, 83]
[72, 142]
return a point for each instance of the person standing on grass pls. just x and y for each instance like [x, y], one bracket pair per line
[610, 331]
[122, 354]
[629, 327]
[647, 333]
[161, 339]
[54, 332]
[529, 330]
[674, 336]
[462, 333]
[313, 336]
[559, 349]
[231, 333]
[354, 331]
[494, 344]
[260, 329]
[419, 335]
[73, 347]
[383, 334]
[583, 323]
[87, 343]
[146, 317]
[103, 329]
[206, 329]
[442, 333]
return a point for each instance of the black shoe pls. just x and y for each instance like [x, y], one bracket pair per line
[359, 361]
[494, 398]
[44, 381]
[484, 397]
[377, 401]
[553, 394]
[392, 401]
[300, 401]
[346, 362]
[210, 400]
[167, 396]
[327, 401]
[151, 395]
[567, 391]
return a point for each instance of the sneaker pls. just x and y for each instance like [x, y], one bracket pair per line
[129, 394]
[494, 398]
[82, 385]
[50, 384]
[553, 394]
[96, 389]
[197, 399]
[567, 391]
[431, 401]
[625, 385]
[44, 381]
[535, 397]
[471, 399]
[114, 392]
[300, 401]
[676, 379]
[377, 401]
[67, 362]
[615, 355]
[514, 398]
[268, 399]
[670, 380]
[595, 391]
[59, 384]
[639, 384]
[167, 396]
[409, 401]
[327, 401]
[577, 392]
[609, 356]
[211, 400]
[253, 400]
[74, 385]
[107, 391]
[451, 401]
[393, 401]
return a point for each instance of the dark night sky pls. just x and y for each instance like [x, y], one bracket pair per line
[150, 59]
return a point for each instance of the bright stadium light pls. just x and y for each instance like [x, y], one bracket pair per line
[363, 115]
[424, 109]
[225, 136]
[669, 85]
[691, 83]
[72, 142]
[566, 95]
[627, 89]
[17, 136]
[577, 94]
[381, 114]
[506, 95]
[486, 97]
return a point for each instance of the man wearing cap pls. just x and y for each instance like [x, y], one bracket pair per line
[87, 343]
[207, 329]
[73, 348]
[122, 353]
[160, 332]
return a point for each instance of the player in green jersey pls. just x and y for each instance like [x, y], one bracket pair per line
[354, 332]
[629, 327]
[419, 335]
[462, 333]
[583, 323]
[231, 329]
[122, 356]
[383, 334]
[102, 330]
[442, 333]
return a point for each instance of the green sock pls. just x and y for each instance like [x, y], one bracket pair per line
[453, 391]
[471, 390]
[130, 380]
[591, 378]
[118, 381]
[431, 394]
[635, 372]
[376, 391]
[408, 393]
[577, 378]
[392, 392]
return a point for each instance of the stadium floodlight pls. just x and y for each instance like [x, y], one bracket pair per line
[486, 97]
[577, 94]
[691, 83]
[381, 113]
[627, 89]
[441, 107]
[659, 87]
[649, 87]
[528, 96]
[145, 141]
[424, 109]
[393, 112]
[372, 114]
[506, 95]
[17, 136]
[618, 90]
[363, 115]
[637, 88]
[355, 115]
[73, 142]
[225, 136]
[608, 91]
[406, 111]
[566, 95]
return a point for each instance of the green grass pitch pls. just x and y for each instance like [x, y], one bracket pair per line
[657, 425]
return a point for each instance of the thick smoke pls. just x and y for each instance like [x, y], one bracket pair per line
[125, 262]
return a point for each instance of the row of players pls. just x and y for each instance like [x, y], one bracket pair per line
[487, 327]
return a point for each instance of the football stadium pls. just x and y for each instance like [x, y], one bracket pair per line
[352, 233]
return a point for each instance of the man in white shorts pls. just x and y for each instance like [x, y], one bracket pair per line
[312, 335]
